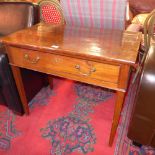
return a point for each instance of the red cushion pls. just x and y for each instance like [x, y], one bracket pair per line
[50, 14]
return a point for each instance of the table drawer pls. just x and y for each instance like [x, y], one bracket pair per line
[56, 64]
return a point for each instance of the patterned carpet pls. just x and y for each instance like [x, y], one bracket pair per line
[71, 119]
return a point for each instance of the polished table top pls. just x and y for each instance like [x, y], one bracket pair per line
[95, 44]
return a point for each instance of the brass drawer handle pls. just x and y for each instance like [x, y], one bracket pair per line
[91, 70]
[32, 61]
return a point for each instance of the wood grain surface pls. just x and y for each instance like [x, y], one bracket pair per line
[94, 44]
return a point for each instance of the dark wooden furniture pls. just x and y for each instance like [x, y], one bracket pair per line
[142, 124]
[94, 56]
[15, 16]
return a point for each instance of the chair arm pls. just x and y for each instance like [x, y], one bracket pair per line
[134, 28]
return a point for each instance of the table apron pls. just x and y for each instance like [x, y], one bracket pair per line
[108, 75]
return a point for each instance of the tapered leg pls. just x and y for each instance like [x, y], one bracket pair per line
[117, 112]
[50, 81]
[20, 87]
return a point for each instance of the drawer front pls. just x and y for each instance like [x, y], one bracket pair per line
[63, 65]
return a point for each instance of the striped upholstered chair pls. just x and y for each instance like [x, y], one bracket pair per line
[95, 13]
